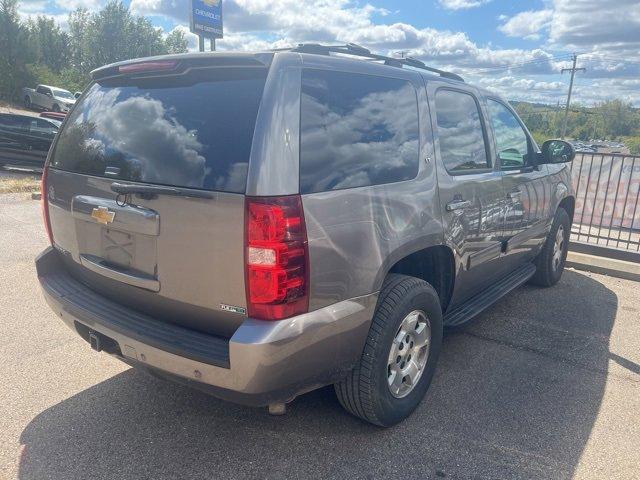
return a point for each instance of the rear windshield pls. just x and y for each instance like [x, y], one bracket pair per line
[192, 130]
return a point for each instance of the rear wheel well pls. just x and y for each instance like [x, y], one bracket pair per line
[435, 265]
[569, 205]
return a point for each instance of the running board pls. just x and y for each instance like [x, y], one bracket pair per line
[475, 305]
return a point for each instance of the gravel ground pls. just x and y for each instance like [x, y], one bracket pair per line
[545, 384]
[6, 108]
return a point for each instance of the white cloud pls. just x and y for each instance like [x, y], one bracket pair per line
[609, 31]
[33, 6]
[62, 19]
[597, 25]
[527, 24]
[255, 24]
[177, 9]
[462, 4]
[70, 5]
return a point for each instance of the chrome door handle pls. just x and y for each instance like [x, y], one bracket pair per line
[458, 205]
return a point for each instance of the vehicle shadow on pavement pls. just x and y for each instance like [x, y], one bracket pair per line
[516, 395]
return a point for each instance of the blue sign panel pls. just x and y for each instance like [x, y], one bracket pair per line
[206, 18]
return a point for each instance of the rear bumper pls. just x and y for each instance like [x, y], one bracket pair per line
[262, 363]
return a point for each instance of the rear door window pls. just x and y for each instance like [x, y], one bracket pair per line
[356, 130]
[193, 130]
[17, 123]
[460, 132]
[43, 128]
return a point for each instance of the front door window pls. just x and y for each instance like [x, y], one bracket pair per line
[511, 140]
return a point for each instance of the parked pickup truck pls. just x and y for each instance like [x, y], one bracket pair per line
[48, 98]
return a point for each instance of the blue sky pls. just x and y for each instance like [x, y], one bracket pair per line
[517, 48]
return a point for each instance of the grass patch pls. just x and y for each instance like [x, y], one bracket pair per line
[19, 185]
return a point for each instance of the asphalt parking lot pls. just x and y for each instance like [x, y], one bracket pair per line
[545, 384]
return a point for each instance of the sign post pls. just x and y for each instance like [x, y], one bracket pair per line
[206, 21]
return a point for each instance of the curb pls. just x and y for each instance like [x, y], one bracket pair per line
[607, 266]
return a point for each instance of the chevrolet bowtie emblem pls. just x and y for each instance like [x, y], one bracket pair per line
[103, 215]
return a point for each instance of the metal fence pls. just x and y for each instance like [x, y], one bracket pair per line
[607, 200]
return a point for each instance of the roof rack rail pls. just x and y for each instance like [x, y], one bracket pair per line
[359, 51]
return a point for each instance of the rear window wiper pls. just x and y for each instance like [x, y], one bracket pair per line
[152, 191]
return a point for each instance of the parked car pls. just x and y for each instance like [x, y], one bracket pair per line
[25, 140]
[48, 98]
[54, 116]
[260, 225]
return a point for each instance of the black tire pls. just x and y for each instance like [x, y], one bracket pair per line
[27, 103]
[56, 108]
[365, 392]
[548, 270]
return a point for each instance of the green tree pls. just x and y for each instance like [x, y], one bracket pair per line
[78, 42]
[113, 35]
[14, 50]
[618, 117]
[49, 42]
[107, 35]
[176, 42]
[634, 145]
[146, 40]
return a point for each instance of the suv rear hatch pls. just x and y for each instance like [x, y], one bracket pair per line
[146, 185]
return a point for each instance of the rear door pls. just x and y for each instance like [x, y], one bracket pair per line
[40, 136]
[179, 145]
[10, 142]
[470, 188]
[525, 184]
[15, 145]
[44, 97]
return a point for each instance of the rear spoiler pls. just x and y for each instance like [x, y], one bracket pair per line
[177, 64]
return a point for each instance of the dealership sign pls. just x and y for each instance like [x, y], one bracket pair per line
[206, 18]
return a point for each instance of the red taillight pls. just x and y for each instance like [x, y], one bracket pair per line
[276, 257]
[44, 192]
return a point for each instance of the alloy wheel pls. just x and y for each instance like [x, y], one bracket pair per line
[558, 249]
[409, 354]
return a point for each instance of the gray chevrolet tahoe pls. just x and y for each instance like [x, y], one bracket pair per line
[258, 225]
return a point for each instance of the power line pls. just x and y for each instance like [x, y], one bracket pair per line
[558, 58]
[597, 57]
[528, 63]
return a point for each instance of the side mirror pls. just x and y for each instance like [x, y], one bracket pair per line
[557, 151]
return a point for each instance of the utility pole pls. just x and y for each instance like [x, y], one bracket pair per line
[573, 71]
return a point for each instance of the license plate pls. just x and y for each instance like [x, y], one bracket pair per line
[118, 247]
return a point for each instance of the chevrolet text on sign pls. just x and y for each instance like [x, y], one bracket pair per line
[206, 18]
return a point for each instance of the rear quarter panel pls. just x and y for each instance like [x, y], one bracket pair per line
[356, 235]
